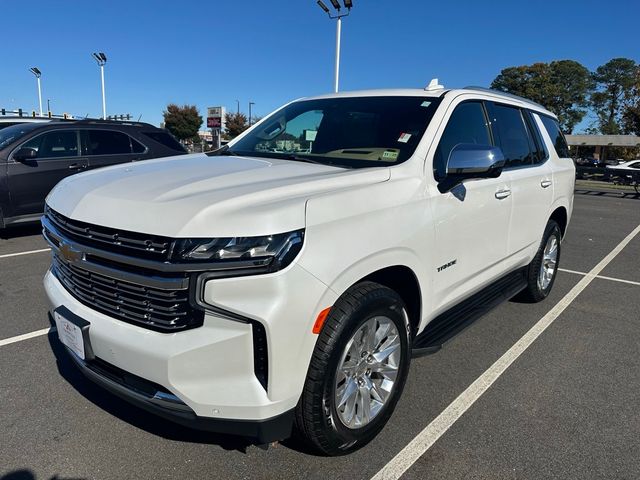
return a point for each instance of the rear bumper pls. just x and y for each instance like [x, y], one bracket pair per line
[172, 408]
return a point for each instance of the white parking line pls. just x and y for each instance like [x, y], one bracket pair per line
[432, 432]
[602, 277]
[26, 336]
[7, 255]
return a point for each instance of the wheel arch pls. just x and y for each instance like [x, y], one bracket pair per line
[402, 280]
[561, 217]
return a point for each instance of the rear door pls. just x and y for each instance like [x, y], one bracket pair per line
[529, 174]
[30, 181]
[110, 147]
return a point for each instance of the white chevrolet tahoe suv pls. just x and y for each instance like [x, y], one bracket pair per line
[284, 282]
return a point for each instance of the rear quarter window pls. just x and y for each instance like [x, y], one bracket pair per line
[557, 138]
[165, 139]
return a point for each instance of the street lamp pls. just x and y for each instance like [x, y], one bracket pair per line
[36, 71]
[238, 107]
[348, 4]
[101, 58]
[250, 105]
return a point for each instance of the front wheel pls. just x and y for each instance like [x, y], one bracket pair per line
[542, 271]
[357, 372]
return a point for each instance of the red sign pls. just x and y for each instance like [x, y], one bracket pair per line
[214, 122]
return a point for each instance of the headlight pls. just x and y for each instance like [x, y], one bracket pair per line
[270, 251]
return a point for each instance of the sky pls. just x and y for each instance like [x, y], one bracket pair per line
[269, 52]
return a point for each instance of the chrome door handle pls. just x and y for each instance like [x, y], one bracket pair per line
[545, 183]
[77, 166]
[502, 194]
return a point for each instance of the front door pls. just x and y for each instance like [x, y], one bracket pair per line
[472, 220]
[31, 181]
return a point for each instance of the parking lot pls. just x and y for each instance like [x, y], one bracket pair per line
[559, 401]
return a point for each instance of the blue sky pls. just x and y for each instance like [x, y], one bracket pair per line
[212, 53]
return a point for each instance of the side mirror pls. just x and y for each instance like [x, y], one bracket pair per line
[471, 161]
[24, 154]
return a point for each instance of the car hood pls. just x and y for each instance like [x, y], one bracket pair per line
[201, 196]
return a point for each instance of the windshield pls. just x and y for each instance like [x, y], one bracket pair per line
[10, 134]
[346, 131]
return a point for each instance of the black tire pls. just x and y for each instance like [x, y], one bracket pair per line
[535, 292]
[316, 419]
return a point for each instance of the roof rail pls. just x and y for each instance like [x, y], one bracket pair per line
[99, 121]
[504, 94]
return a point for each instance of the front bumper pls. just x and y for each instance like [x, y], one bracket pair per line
[171, 408]
[210, 369]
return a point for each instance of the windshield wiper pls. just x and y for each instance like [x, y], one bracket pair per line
[298, 158]
[222, 152]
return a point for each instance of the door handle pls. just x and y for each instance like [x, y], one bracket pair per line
[545, 183]
[77, 166]
[502, 194]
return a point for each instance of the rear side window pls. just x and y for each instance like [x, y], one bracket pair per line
[467, 124]
[108, 142]
[540, 154]
[513, 136]
[55, 144]
[165, 139]
[557, 138]
[137, 147]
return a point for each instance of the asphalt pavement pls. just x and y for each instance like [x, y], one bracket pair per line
[568, 406]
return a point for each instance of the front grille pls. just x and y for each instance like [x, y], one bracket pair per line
[139, 245]
[154, 308]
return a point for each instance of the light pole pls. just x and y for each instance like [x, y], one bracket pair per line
[38, 74]
[250, 105]
[48, 106]
[348, 4]
[238, 105]
[101, 58]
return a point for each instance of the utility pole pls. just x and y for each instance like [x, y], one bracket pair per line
[38, 74]
[101, 58]
[348, 4]
[250, 105]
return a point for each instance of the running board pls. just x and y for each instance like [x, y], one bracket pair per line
[453, 321]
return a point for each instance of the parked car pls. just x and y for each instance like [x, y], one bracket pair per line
[588, 162]
[34, 156]
[250, 291]
[630, 166]
[627, 173]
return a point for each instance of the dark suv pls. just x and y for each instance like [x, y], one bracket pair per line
[36, 156]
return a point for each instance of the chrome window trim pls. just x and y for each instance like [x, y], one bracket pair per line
[11, 160]
[146, 148]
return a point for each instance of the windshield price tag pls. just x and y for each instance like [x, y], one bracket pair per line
[404, 137]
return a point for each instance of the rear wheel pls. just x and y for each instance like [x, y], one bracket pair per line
[542, 271]
[357, 371]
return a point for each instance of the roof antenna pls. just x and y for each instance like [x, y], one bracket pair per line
[434, 85]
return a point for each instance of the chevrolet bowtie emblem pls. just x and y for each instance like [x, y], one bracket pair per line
[69, 253]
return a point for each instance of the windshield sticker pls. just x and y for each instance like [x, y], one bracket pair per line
[404, 137]
[389, 155]
[426, 103]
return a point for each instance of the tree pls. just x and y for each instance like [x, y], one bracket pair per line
[236, 124]
[631, 110]
[562, 86]
[183, 122]
[615, 81]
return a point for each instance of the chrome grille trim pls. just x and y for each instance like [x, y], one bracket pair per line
[148, 306]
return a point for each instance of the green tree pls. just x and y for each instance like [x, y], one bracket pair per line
[562, 86]
[183, 122]
[236, 123]
[631, 110]
[615, 81]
